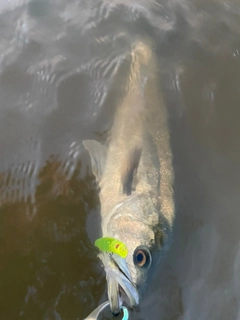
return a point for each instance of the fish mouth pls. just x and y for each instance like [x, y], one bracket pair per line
[120, 285]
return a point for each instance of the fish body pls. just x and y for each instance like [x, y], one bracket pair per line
[135, 176]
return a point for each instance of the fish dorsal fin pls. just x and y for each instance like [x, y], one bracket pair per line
[129, 170]
[97, 153]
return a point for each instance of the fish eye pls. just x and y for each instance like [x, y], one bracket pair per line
[142, 257]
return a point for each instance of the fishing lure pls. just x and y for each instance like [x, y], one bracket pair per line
[112, 245]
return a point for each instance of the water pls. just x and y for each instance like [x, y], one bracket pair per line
[63, 69]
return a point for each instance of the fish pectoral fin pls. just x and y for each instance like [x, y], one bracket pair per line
[97, 153]
[129, 170]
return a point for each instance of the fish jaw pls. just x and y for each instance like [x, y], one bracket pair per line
[120, 285]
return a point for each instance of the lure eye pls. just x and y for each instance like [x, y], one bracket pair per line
[142, 257]
[121, 250]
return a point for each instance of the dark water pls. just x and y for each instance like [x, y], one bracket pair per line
[63, 69]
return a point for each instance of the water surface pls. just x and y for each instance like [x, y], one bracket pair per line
[63, 71]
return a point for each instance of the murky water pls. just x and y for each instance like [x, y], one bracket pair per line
[63, 69]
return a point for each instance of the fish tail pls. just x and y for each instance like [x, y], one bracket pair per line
[142, 62]
[141, 52]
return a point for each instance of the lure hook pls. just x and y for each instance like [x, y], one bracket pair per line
[95, 314]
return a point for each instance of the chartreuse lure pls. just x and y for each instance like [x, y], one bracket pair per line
[112, 245]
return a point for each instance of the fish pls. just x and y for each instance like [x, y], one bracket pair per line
[134, 171]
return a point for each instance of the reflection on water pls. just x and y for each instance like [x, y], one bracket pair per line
[63, 69]
[43, 265]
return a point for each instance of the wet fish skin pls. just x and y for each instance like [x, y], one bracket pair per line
[135, 176]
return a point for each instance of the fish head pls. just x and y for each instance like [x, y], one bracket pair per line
[128, 277]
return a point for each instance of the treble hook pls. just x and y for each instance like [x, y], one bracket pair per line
[94, 315]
